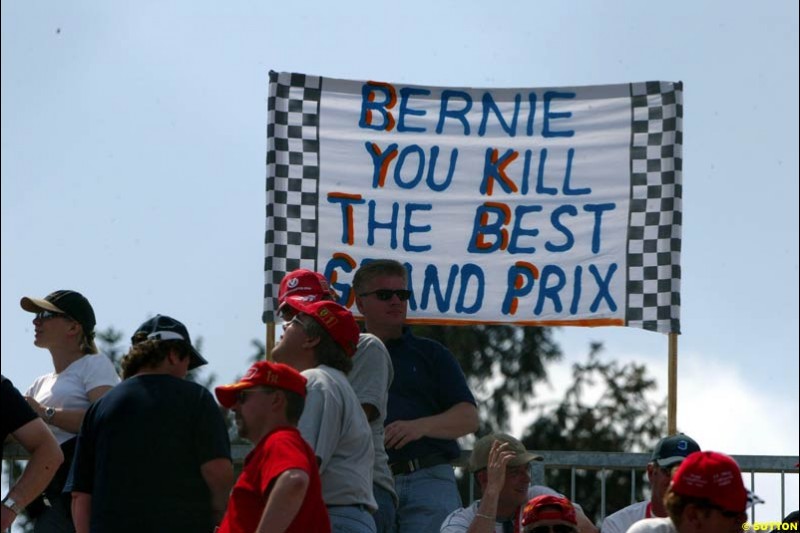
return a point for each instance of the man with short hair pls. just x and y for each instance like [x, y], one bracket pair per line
[707, 495]
[668, 453]
[319, 341]
[279, 489]
[430, 404]
[501, 466]
[370, 378]
[153, 454]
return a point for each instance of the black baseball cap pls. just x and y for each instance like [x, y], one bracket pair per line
[71, 303]
[165, 328]
[673, 449]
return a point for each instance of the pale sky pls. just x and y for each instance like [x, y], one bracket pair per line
[134, 145]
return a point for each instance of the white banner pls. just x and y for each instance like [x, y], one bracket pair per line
[537, 206]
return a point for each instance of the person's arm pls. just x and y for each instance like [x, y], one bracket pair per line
[285, 500]
[81, 511]
[45, 458]
[69, 420]
[485, 517]
[456, 422]
[218, 474]
[584, 524]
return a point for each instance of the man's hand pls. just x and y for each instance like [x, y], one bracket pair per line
[499, 457]
[401, 432]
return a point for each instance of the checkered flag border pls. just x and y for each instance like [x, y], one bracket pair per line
[654, 229]
[291, 238]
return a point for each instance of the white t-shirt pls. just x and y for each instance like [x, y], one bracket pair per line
[334, 424]
[620, 521]
[70, 389]
[459, 520]
[653, 525]
[371, 375]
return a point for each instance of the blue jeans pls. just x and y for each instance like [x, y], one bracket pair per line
[385, 515]
[427, 496]
[350, 519]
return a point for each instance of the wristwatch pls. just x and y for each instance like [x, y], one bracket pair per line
[9, 502]
[49, 412]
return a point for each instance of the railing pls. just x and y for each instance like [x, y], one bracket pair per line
[604, 462]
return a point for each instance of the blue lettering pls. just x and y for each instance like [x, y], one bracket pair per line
[555, 220]
[458, 114]
[512, 291]
[409, 228]
[369, 104]
[576, 290]
[469, 271]
[373, 224]
[405, 94]
[489, 104]
[518, 230]
[540, 188]
[550, 292]
[549, 115]
[401, 161]
[598, 210]
[439, 187]
[603, 292]
[431, 283]
[567, 190]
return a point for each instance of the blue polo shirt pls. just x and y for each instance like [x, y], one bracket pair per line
[427, 381]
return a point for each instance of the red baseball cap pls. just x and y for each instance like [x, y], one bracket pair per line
[263, 374]
[338, 321]
[713, 476]
[547, 510]
[305, 286]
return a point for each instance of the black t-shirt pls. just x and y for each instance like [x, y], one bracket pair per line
[139, 454]
[15, 410]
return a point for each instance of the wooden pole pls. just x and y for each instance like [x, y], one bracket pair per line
[672, 385]
[270, 340]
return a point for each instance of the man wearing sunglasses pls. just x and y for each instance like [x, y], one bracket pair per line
[549, 514]
[319, 341]
[279, 489]
[667, 454]
[501, 466]
[707, 495]
[370, 378]
[430, 404]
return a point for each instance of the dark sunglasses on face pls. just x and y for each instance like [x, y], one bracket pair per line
[385, 295]
[287, 313]
[558, 528]
[46, 315]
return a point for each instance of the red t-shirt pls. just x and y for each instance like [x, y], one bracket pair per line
[281, 450]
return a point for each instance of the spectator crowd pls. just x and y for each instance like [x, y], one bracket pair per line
[354, 430]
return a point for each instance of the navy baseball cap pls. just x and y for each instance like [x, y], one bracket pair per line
[673, 449]
[164, 328]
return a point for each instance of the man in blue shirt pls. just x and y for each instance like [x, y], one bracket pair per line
[430, 404]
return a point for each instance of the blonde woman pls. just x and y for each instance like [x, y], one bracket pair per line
[64, 325]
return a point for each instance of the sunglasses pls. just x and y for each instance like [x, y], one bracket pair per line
[295, 320]
[287, 313]
[385, 295]
[241, 396]
[558, 528]
[46, 315]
